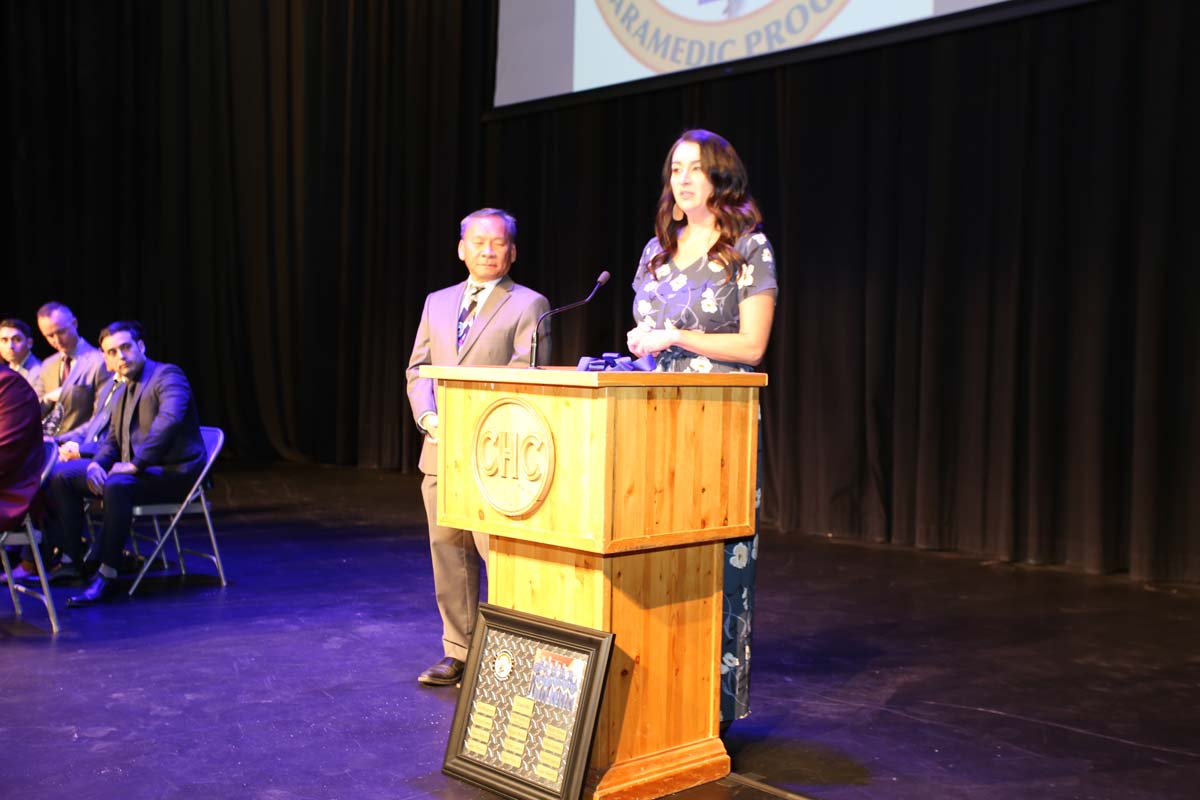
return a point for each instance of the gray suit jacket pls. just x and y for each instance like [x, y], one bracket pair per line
[31, 370]
[500, 336]
[82, 386]
[92, 433]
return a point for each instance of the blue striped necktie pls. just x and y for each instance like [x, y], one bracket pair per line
[467, 315]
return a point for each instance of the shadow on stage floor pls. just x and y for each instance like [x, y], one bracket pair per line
[878, 672]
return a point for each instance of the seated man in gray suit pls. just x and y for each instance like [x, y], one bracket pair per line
[72, 377]
[153, 453]
[16, 350]
[485, 320]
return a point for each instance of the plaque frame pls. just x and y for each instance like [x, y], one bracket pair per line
[594, 645]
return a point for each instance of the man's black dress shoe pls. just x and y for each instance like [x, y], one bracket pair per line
[24, 571]
[64, 571]
[102, 589]
[445, 672]
[59, 573]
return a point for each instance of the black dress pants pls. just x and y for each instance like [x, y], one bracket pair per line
[68, 488]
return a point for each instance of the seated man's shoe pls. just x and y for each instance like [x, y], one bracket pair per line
[64, 572]
[101, 590]
[59, 573]
[445, 672]
[22, 573]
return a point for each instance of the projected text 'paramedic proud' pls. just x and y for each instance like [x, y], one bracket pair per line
[668, 35]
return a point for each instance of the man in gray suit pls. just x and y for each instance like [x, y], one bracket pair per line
[486, 320]
[16, 350]
[73, 376]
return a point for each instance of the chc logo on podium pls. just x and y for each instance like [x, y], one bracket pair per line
[512, 456]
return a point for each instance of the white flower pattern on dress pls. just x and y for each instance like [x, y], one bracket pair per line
[746, 276]
[644, 308]
[678, 282]
[708, 301]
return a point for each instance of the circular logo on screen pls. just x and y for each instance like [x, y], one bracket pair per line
[512, 456]
[670, 35]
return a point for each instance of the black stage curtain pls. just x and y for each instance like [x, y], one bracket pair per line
[985, 340]
[271, 187]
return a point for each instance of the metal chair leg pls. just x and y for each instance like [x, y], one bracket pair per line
[178, 553]
[46, 598]
[10, 581]
[158, 536]
[212, 537]
[162, 540]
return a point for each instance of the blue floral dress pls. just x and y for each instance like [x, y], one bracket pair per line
[699, 296]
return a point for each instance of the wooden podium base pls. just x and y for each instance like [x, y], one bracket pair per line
[657, 730]
[662, 773]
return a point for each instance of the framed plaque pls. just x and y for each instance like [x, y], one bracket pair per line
[527, 709]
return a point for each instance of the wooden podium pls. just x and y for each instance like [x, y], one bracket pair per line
[607, 496]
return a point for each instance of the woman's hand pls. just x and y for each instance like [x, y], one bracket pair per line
[644, 342]
[744, 347]
[633, 340]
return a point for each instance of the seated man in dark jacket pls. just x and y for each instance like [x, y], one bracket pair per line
[153, 453]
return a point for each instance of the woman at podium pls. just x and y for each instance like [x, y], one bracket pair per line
[704, 300]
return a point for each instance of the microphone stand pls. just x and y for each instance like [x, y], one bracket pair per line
[601, 279]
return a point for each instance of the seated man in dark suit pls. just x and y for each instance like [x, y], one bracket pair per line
[153, 453]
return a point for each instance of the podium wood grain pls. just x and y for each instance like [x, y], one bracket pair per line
[651, 473]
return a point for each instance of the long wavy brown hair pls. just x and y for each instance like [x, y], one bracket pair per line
[735, 211]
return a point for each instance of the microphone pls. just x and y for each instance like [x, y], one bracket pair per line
[601, 279]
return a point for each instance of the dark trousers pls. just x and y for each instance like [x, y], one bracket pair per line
[68, 488]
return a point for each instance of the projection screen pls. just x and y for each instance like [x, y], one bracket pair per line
[549, 48]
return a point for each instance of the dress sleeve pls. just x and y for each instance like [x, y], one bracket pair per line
[758, 273]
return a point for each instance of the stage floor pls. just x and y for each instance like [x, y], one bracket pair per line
[878, 672]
